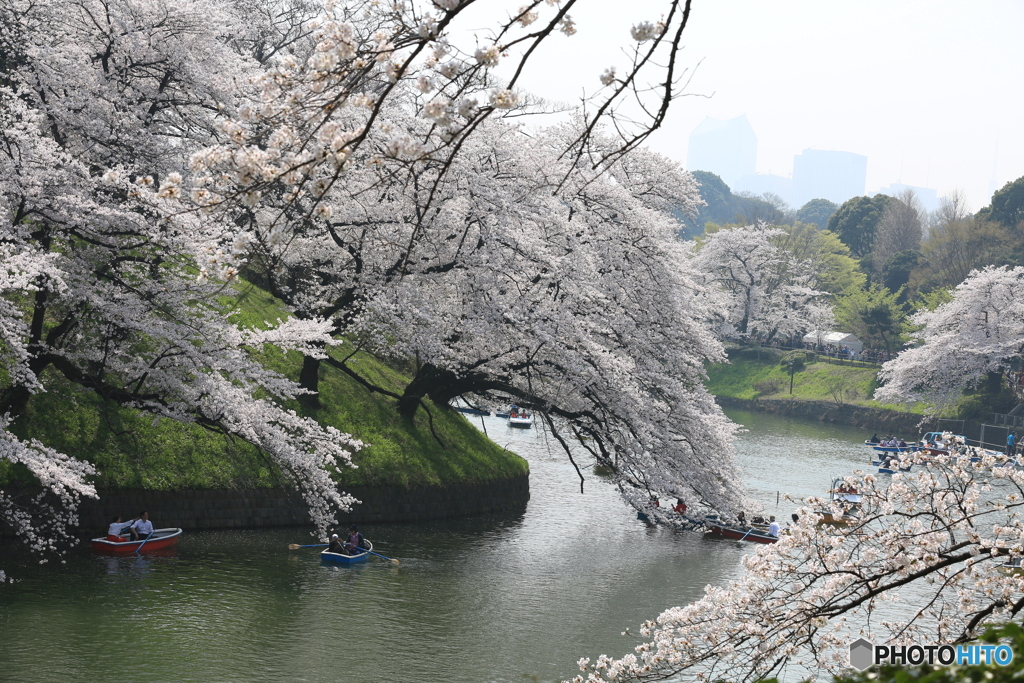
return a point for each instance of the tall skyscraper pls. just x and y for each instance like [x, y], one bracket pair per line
[821, 174]
[725, 148]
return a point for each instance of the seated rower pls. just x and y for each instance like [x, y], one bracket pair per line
[142, 528]
[336, 545]
[355, 543]
[679, 507]
[116, 528]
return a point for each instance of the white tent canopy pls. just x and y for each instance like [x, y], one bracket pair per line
[839, 339]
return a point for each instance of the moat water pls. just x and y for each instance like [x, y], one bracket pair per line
[506, 598]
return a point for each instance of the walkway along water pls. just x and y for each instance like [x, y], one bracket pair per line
[494, 598]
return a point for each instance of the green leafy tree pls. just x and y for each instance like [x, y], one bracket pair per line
[874, 314]
[896, 270]
[953, 248]
[817, 212]
[825, 257]
[1007, 205]
[856, 221]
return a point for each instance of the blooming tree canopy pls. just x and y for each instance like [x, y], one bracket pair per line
[980, 331]
[923, 563]
[147, 142]
[760, 287]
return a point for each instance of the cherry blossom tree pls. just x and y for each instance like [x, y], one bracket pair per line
[978, 334]
[762, 290]
[923, 563]
[374, 189]
[101, 103]
[146, 140]
[577, 303]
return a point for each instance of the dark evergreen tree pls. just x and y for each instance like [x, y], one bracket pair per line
[817, 212]
[856, 221]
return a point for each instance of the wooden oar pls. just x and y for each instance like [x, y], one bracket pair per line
[391, 560]
[296, 546]
[148, 536]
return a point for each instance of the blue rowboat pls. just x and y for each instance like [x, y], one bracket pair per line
[909, 448]
[340, 558]
[473, 411]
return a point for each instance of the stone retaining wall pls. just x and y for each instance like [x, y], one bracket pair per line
[872, 420]
[234, 509]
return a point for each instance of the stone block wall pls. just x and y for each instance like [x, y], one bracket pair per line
[258, 508]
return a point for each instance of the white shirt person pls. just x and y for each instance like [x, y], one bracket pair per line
[142, 527]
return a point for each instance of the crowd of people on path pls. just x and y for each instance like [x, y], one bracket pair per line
[840, 351]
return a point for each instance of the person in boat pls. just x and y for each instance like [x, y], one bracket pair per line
[355, 542]
[773, 527]
[116, 528]
[142, 528]
[796, 518]
[336, 545]
[679, 507]
[513, 411]
[903, 444]
[741, 519]
[874, 438]
[655, 503]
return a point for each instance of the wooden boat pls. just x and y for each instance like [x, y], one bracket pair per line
[160, 539]
[848, 498]
[1012, 567]
[753, 534]
[341, 558]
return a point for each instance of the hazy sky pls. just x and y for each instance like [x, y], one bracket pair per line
[931, 92]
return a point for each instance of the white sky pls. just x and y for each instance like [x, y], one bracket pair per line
[931, 92]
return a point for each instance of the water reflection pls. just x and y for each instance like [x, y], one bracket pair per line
[499, 598]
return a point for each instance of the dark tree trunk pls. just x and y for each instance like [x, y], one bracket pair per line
[995, 382]
[309, 378]
[415, 391]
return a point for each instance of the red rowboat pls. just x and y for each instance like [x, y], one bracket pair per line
[159, 540]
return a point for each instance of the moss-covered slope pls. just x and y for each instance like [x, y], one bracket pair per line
[132, 450]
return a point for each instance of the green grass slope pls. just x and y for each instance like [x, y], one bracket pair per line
[752, 375]
[132, 450]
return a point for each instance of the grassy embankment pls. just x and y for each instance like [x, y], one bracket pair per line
[759, 374]
[132, 450]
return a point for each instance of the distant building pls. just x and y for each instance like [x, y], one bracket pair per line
[759, 183]
[928, 197]
[822, 174]
[726, 148]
